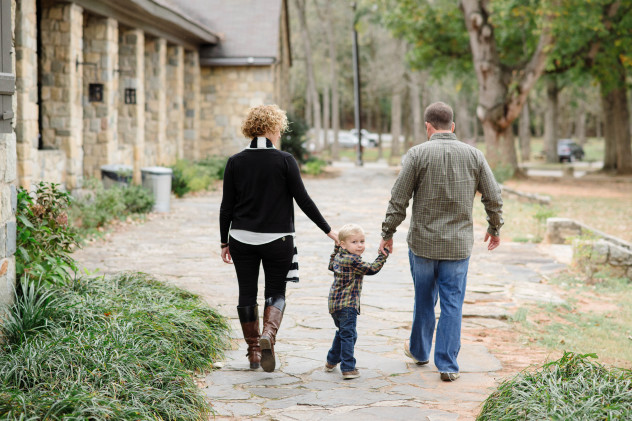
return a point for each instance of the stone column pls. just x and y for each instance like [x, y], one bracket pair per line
[155, 100]
[62, 82]
[27, 129]
[191, 105]
[100, 54]
[175, 106]
[8, 201]
[131, 120]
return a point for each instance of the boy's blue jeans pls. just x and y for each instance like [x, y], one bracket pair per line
[446, 279]
[342, 347]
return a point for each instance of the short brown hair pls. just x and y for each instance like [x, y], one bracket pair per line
[263, 119]
[440, 115]
[348, 230]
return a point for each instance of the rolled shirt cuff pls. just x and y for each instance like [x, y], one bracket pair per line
[491, 230]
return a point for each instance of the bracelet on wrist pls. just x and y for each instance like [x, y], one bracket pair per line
[224, 245]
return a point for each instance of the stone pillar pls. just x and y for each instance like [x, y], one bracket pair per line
[8, 201]
[192, 105]
[175, 107]
[155, 100]
[100, 55]
[131, 120]
[61, 84]
[27, 129]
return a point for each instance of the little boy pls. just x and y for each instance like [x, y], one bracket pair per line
[344, 296]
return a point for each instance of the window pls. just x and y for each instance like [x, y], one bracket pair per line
[95, 92]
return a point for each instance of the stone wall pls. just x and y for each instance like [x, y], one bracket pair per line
[8, 202]
[226, 95]
[174, 142]
[191, 105]
[100, 118]
[62, 81]
[26, 130]
[131, 117]
[155, 100]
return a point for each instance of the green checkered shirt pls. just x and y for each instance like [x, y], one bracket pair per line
[349, 270]
[442, 176]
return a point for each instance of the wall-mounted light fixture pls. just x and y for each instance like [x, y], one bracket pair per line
[95, 92]
[130, 96]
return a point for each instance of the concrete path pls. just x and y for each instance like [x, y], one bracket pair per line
[182, 247]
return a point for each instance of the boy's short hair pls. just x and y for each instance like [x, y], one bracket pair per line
[349, 230]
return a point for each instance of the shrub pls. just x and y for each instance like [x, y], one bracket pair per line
[503, 172]
[196, 176]
[314, 166]
[571, 388]
[44, 237]
[120, 348]
[292, 140]
[99, 206]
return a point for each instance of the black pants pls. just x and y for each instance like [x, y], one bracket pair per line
[276, 257]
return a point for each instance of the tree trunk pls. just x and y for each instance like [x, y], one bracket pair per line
[396, 125]
[309, 67]
[550, 121]
[580, 123]
[326, 118]
[415, 102]
[508, 151]
[463, 128]
[333, 73]
[524, 134]
[618, 154]
[497, 106]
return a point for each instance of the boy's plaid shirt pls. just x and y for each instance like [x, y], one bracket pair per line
[349, 269]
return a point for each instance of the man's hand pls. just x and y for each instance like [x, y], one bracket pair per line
[226, 256]
[493, 241]
[386, 244]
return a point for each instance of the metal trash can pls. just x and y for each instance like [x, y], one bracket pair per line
[113, 174]
[158, 181]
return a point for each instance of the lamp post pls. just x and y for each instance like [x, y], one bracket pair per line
[356, 87]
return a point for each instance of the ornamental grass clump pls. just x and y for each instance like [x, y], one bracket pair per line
[119, 348]
[571, 388]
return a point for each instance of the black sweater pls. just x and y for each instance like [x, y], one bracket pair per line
[259, 186]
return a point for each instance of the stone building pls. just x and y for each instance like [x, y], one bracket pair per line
[140, 82]
[136, 82]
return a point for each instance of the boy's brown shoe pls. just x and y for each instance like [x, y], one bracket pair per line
[347, 375]
[409, 355]
[330, 367]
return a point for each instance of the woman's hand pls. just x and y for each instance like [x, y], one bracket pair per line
[334, 236]
[226, 256]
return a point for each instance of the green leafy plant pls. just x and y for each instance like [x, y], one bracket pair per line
[571, 388]
[293, 139]
[119, 348]
[314, 166]
[196, 176]
[44, 237]
[503, 172]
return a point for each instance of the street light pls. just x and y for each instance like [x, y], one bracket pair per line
[356, 86]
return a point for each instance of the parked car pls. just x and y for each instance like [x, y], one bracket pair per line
[569, 151]
[347, 140]
[372, 138]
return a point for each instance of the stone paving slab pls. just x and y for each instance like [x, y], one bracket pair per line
[182, 248]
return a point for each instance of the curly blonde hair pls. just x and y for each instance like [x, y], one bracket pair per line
[264, 119]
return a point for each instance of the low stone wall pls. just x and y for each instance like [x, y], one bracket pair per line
[52, 166]
[593, 250]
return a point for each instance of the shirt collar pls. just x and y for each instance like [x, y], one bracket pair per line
[443, 136]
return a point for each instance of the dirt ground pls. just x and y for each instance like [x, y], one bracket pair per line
[594, 185]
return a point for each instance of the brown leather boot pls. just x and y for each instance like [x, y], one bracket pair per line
[272, 316]
[249, 318]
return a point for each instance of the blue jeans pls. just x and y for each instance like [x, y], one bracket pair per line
[446, 279]
[342, 347]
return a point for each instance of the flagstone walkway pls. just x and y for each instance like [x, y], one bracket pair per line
[182, 247]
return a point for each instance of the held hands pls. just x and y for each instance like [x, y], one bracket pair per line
[493, 241]
[386, 246]
[334, 236]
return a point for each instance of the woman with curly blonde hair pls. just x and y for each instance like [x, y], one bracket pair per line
[257, 226]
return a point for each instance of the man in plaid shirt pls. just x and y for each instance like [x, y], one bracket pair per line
[344, 296]
[442, 176]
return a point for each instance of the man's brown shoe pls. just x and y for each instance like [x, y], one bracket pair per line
[409, 355]
[449, 377]
[347, 375]
[330, 367]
